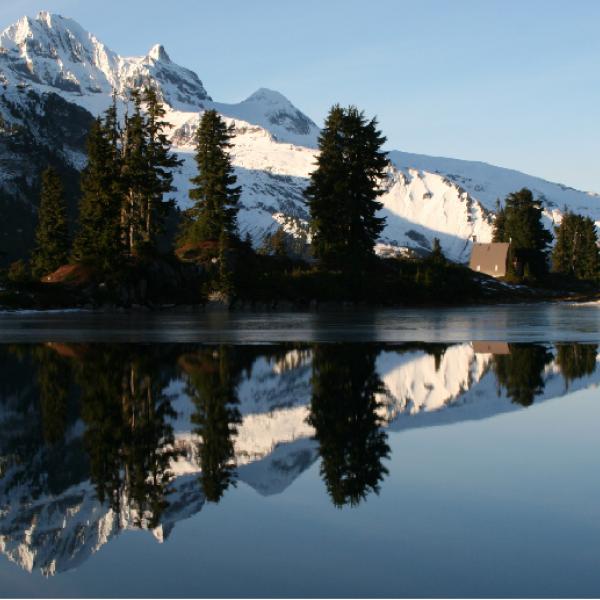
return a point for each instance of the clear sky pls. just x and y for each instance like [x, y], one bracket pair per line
[511, 82]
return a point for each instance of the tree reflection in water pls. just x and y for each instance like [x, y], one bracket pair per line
[212, 383]
[576, 360]
[520, 372]
[128, 435]
[343, 411]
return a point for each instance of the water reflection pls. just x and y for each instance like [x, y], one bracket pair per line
[212, 386]
[520, 371]
[128, 435]
[97, 439]
[344, 412]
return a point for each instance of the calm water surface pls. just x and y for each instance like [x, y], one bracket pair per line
[424, 454]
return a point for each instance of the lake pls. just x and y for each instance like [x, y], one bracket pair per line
[451, 452]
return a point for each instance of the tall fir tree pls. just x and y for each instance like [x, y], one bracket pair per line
[343, 190]
[161, 162]
[576, 250]
[99, 238]
[498, 234]
[52, 232]
[134, 176]
[520, 223]
[214, 190]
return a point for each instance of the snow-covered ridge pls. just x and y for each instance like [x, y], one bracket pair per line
[274, 151]
[57, 53]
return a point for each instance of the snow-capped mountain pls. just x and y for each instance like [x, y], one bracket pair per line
[52, 527]
[52, 53]
[274, 148]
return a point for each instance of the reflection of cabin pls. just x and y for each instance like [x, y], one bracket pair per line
[491, 259]
[491, 348]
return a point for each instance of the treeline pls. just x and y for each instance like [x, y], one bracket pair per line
[124, 208]
[575, 254]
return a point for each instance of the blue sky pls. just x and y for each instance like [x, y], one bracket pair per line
[513, 83]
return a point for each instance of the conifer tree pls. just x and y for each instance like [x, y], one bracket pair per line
[99, 239]
[562, 254]
[343, 190]
[161, 161]
[520, 223]
[52, 233]
[437, 254]
[588, 265]
[576, 250]
[215, 195]
[134, 176]
[498, 234]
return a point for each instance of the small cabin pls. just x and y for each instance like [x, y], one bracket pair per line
[491, 259]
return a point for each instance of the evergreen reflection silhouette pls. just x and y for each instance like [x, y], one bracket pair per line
[576, 360]
[36, 391]
[54, 379]
[520, 372]
[343, 412]
[212, 381]
[128, 436]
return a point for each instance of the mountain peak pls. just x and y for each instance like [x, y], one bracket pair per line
[44, 16]
[56, 52]
[267, 96]
[158, 53]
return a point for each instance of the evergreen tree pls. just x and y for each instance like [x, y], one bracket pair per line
[99, 238]
[343, 190]
[134, 177]
[437, 254]
[520, 223]
[588, 263]
[161, 161]
[275, 243]
[499, 233]
[52, 233]
[215, 195]
[562, 254]
[576, 250]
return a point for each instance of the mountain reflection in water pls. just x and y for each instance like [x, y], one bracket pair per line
[101, 438]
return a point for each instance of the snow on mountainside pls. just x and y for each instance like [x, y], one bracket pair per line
[489, 183]
[56, 53]
[274, 148]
